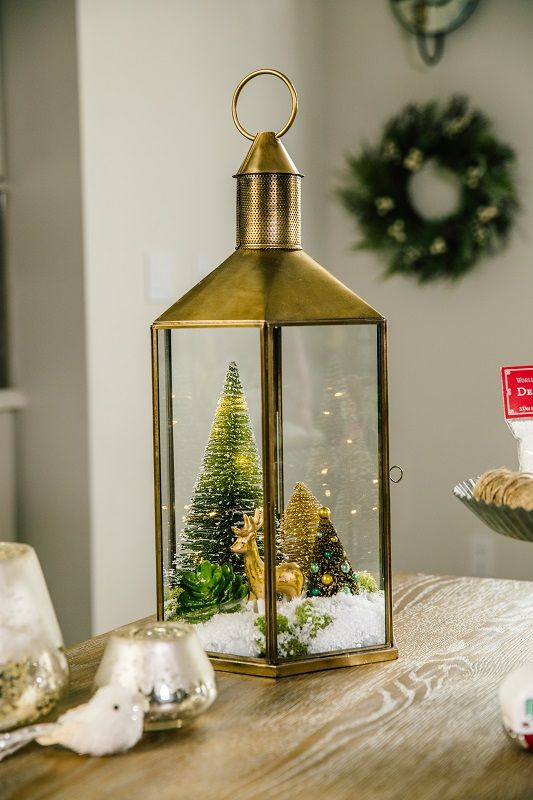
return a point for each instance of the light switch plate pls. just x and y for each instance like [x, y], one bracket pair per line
[160, 277]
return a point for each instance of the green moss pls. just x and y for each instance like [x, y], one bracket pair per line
[294, 638]
[367, 582]
[295, 647]
[307, 613]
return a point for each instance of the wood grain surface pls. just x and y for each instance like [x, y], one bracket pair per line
[426, 726]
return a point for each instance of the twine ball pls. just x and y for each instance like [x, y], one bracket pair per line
[503, 487]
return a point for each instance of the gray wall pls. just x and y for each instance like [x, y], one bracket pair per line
[447, 342]
[46, 297]
[159, 151]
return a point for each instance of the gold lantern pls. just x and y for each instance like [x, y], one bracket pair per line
[271, 446]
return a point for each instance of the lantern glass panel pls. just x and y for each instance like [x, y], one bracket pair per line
[210, 460]
[331, 445]
[329, 598]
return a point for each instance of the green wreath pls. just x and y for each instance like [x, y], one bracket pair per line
[377, 191]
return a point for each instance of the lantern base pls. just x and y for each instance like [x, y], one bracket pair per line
[316, 663]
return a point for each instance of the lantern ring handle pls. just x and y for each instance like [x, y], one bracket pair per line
[290, 86]
[400, 476]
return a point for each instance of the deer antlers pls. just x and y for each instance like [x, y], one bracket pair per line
[251, 524]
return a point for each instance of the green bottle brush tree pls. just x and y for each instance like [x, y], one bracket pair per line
[229, 483]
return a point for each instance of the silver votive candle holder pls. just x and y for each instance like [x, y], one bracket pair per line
[167, 664]
[33, 666]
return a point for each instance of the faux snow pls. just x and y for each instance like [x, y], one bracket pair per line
[356, 621]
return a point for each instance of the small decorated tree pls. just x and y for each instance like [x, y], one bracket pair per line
[299, 525]
[228, 485]
[330, 571]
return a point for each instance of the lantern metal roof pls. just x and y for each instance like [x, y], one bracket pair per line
[269, 278]
[273, 286]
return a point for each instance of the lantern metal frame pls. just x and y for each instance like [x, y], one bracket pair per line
[264, 289]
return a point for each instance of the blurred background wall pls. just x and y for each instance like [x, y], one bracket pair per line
[447, 342]
[120, 150]
[45, 271]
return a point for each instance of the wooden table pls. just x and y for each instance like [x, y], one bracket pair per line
[426, 726]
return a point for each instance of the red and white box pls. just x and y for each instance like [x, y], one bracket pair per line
[517, 386]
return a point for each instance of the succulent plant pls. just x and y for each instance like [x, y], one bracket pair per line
[204, 591]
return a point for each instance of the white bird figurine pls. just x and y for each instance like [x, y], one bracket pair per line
[111, 722]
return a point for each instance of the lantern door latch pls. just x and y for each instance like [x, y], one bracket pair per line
[395, 474]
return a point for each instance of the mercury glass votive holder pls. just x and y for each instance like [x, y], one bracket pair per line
[167, 664]
[33, 667]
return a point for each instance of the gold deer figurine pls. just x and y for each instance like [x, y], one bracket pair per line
[289, 576]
